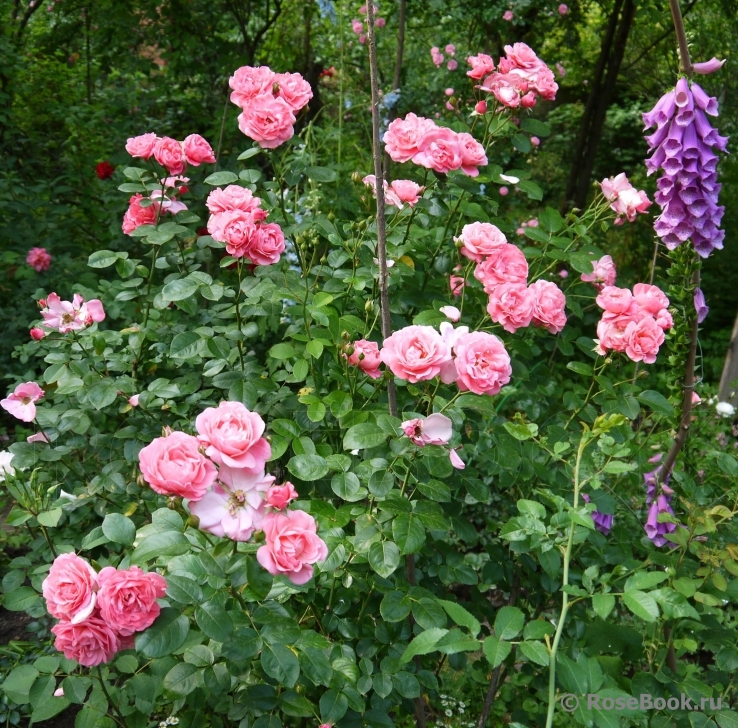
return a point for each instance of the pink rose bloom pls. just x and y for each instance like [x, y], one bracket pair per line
[449, 92]
[456, 284]
[294, 89]
[366, 357]
[197, 151]
[561, 70]
[524, 58]
[362, 39]
[127, 598]
[136, 215]
[506, 264]
[452, 65]
[650, 299]
[235, 507]
[39, 259]
[696, 399]
[511, 306]
[169, 153]
[563, 273]
[357, 26]
[233, 436]
[38, 334]
[472, 154]
[436, 56]
[292, 545]
[625, 199]
[248, 83]
[603, 274]
[611, 330]
[440, 151]
[615, 300]
[450, 49]
[415, 353]
[21, 403]
[451, 313]
[533, 222]
[508, 15]
[133, 401]
[535, 141]
[449, 106]
[174, 466]
[563, 9]
[456, 461]
[266, 245]
[380, 22]
[233, 197]
[545, 84]
[480, 107]
[90, 643]
[664, 319]
[482, 363]
[504, 191]
[141, 146]
[268, 120]
[549, 306]
[643, 339]
[234, 228]
[404, 137]
[481, 239]
[403, 191]
[504, 87]
[69, 589]
[280, 496]
[481, 65]
[435, 429]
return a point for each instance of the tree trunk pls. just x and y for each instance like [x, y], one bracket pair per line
[726, 393]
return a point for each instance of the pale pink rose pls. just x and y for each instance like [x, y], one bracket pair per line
[524, 58]
[643, 340]
[481, 239]
[233, 197]
[480, 107]
[294, 89]
[457, 284]
[280, 496]
[535, 141]
[563, 9]
[450, 49]
[451, 312]
[362, 39]
[614, 299]
[266, 246]
[133, 401]
[481, 65]
[268, 120]
[233, 436]
[197, 150]
[169, 153]
[611, 329]
[533, 222]
[141, 146]
[528, 101]
[236, 229]
[511, 306]
[472, 154]
[234, 508]
[136, 215]
[625, 199]
[563, 273]
[482, 363]
[38, 334]
[696, 399]
[415, 353]
[38, 437]
[403, 191]
[21, 403]
[456, 461]
[404, 137]
[380, 22]
[366, 357]
[357, 26]
[650, 299]
[70, 588]
[435, 429]
[506, 88]
[174, 466]
[440, 151]
[603, 274]
[452, 65]
[506, 264]
[549, 306]
[437, 56]
[39, 259]
[292, 545]
[248, 83]
[127, 598]
[504, 191]
[90, 643]
[449, 92]
[520, 231]
[451, 335]
[508, 15]
[664, 319]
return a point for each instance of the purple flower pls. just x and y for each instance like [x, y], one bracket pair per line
[654, 529]
[708, 66]
[603, 522]
[700, 306]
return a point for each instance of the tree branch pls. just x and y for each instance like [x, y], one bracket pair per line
[676, 15]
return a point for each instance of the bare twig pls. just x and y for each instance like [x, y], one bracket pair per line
[676, 15]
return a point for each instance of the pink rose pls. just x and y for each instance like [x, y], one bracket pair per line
[664, 319]
[506, 264]
[174, 466]
[127, 598]
[480, 239]
[236, 229]
[403, 191]
[482, 363]
[366, 357]
[650, 299]
[169, 153]
[248, 83]
[21, 403]
[511, 306]
[71, 315]
[280, 496]
[136, 215]
[266, 245]
[625, 199]
[611, 329]
[456, 461]
[197, 150]
[292, 545]
[141, 146]
[643, 339]
[549, 306]
[563, 9]
[472, 154]
[481, 66]
[39, 259]
[233, 436]
[233, 197]
[436, 56]
[90, 643]
[508, 15]
[451, 313]
[450, 49]
[294, 89]
[505, 88]
[452, 65]
[523, 57]
[133, 401]
[37, 334]
[404, 137]
[69, 589]
[439, 151]
[415, 353]
[435, 429]
[604, 272]
[380, 22]
[268, 120]
[456, 284]
[480, 107]
[616, 300]
[449, 92]
[357, 26]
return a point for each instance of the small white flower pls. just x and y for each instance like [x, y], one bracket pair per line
[461, 711]
[69, 496]
[449, 712]
[462, 705]
[390, 262]
[725, 409]
[509, 178]
[171, 720]
[354, 452]
[5, 467]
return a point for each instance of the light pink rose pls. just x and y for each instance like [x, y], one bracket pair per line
[357, 26]
[404, 137]
[70, 588]
[480, 239]
[39, 259]
[625, 199]
[268, 120]
[267, 244]
[233, 197]
[366, 357]
[603, 274]
[506, 264]
[403, 191]
[450, 49]
[451, 313]
[664, 319]
[643, 340]
[440, 151]
[696, 399]
[233, 436]
[127, 598]
[615, 300]
[292, 545]
[452, 65]
[136, 215]
[90, 643]
[280, 496]
[37, 437]
[380, 22]
[415, 353]
[174, 466]
[506, 88]
[563, 9]
[611, 329]
[535, 141]
[197, 150]
[508, 15]
[650, 299]
[511, 306]
[294, 89]
[456, 461]
[236, 229]
[141, 146]
[523, 57]
[169, 153]
[482, 363]
[437, 56]
[248, 83]
[435, 429]
[449, 92]
[549, 306]
[472, 154]
[21, 403]
[456, 284]
[481, 66]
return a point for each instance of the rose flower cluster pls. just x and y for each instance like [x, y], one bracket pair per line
[237, 220]
[269, 102]
[398, 193]
[624, 199]
[236, 498]
[503, 272]
[99, 613]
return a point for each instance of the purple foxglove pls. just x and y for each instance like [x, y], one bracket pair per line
[603, 523]
[708, 66]
[700, 306]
